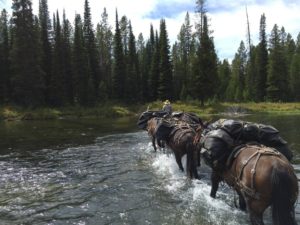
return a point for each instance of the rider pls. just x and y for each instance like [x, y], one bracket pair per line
[167, 107]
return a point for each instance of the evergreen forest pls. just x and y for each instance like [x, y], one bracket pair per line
[47, 60]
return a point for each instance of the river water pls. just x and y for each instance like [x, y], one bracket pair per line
[106, 172]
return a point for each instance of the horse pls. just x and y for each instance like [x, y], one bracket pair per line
[149, 121]
[152, 124]
[179, 138]
[262, 177]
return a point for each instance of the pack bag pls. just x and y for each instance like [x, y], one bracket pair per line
[190, 118]
[244, 132]
[163, 131]
[147, 115]
[233, 127]
[216, 146]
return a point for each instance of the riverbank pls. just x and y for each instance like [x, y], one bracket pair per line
[112, 110]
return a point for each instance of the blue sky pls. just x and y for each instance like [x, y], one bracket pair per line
[227, 17]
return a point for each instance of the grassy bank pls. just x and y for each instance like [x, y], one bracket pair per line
[112, 110]
[101, 111]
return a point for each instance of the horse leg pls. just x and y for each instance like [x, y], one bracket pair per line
[242, 202]
[153, 143]
[256, 218]
[190, 162]
[178, 160]
[198, 157]
[256, 210]
[215, 180]
[195, 162]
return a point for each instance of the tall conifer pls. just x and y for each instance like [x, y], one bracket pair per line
[205, 65]
[28, 77]
[91, 53]
[80, 79]
[277, 68]
[118, 81]
[45, 29]
[165, 87]
[105, 41]
[133, 78]
[154, 70]
[261, 62]
[4, 59]
[56, 86]
[67, 60]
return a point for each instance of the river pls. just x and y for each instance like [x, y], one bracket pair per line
[90, 172]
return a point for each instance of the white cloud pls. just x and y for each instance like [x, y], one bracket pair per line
[228, 18]
[231, 27]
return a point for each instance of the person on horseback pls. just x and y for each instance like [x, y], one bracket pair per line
[167, 107]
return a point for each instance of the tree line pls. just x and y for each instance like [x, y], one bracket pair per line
[50, 62]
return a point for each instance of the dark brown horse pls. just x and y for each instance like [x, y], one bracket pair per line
[262, 177]
[179, 138]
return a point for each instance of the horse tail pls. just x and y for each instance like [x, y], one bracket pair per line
[283, 197]
[191, 160]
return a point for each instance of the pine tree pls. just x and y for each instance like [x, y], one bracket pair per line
[235, 90]
[165, 87]
[224, 72]
[177, 70]
[67, 60]
[56, 85]
[45, 28]
[91, 53]
[205, 65]
[261, 62]
[119, 78]
[148, 67]
[28, 77]
[143, 64]
[124, 28]
[277, 68]
[81, 78]
[4, 59]
[251, 75]
[105, 40]
[182, 58]
[154, 69]
[200, 13]
[133, 78]
[295, 72]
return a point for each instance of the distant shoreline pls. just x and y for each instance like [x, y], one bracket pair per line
[115, 110]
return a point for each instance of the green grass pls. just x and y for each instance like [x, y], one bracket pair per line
[108, 110]
[269, 107]
[115, 110]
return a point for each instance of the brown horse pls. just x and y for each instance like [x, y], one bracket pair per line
[180, 139]
[262, 177]
[152, 124]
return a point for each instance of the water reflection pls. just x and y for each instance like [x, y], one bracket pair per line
[32, 135]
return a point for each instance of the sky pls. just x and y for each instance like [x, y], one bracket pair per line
[227, 17]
